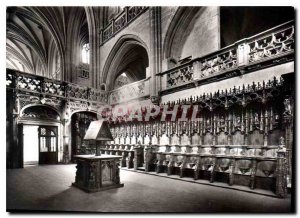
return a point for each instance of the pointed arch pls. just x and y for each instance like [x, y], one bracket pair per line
[121, 47]
[178, 30]
[39, 105]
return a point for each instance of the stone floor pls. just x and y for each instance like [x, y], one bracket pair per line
[48, 188]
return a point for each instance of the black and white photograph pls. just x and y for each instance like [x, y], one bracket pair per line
[150, 109]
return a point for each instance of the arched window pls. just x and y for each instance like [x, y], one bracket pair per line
[85, 53]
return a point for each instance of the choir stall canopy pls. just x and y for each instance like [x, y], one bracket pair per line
[99, 132]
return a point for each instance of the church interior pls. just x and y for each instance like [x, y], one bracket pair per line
[150, 109]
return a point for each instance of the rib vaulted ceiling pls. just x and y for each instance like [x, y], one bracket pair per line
[39, 39]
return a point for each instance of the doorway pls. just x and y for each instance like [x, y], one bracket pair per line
[47, 144]
[31, 145]
[40, 144]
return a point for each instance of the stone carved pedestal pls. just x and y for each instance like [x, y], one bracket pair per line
[97, 173]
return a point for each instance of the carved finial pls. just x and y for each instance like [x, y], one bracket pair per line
[275, 80]
[258, 85]
[269, 83]
[281, 80]
[256, 121]
[281, 146]
[287, 107]
[243, 101]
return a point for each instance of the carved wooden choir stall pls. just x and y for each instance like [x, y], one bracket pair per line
[243, 137]
[97, 172]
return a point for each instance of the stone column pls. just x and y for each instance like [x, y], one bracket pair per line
[94, 24]
[14, 131]
[289, 144]
[155, 59]
[67, 137]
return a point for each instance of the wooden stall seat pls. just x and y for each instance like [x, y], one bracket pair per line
[252, 166]
[248, 165]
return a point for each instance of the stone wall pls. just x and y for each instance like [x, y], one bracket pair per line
[204, 36]
[139, 27]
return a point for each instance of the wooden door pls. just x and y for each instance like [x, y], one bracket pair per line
[48, 144]
[20, 147]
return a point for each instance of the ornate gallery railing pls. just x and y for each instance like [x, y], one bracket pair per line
[38, 85]
[274, 46]
[274, 42]
[129, 92]
[121, 21]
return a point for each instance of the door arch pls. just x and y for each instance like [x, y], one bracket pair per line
[128, 51]
[43, 145]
